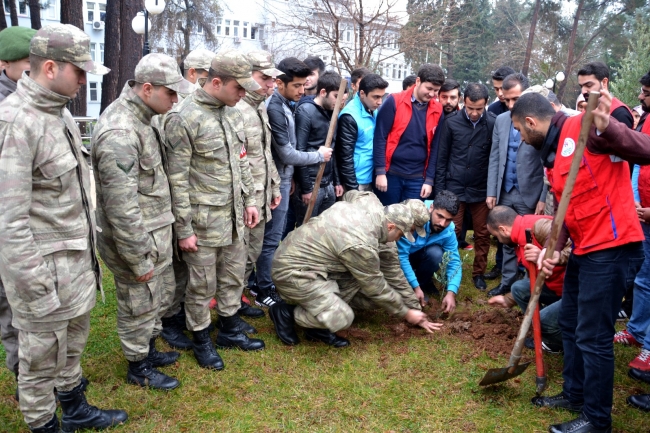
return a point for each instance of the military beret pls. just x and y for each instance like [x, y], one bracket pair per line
[14, 43]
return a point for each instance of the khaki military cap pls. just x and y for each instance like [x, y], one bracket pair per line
[161, 70]
[199, 59]
[65, 43]
[233, 63]
[420, 215]
[401, 216]
[542, 90]
[261, 61]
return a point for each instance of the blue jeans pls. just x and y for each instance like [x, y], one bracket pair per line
[549, 303]
[325, 200]
[594, 285]
[399, 189]
[272, 235]
[424, 263]
[639, 324]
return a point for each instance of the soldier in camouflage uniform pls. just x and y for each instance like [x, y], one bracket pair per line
[322, 265]
[210, 177]
[196, 66]
[258, 149]
[134, 214]
[47, 248]
[388, 258]
[14, 52]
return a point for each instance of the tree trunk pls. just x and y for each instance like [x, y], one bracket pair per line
[72, 13]
[360, 60]
[187, 30]
[110, 89]
[13, 12]
[531, 37]
[3, 20]
[572, 40]
[130, 42]
[35, 13]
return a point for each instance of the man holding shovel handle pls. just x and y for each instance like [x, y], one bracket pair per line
[607, 253]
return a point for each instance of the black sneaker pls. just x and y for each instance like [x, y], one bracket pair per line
[546, 347]
[578, 425]
[479, 282]
[267, 298]
[556, 401]
[494, 273]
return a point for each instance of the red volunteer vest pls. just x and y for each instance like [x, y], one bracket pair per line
[601, 212]
[617, 103]
[644, 173]
[518, 236]
[403, 112]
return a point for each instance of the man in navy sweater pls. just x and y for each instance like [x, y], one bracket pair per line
[404, 149]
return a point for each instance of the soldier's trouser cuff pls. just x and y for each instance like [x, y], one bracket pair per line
[214, 272]
[8, 334]
[138, 307]
[49, 359]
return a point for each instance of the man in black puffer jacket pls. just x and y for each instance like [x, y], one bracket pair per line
[462, 168]
[312, 123]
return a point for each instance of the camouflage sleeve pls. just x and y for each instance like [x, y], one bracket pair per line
[275, 178]
[363, 264]
[179, 154]
[21, 264]
[247, 180]
[117, 169]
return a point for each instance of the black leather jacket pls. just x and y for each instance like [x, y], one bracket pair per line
[312, 123]
[346, 141]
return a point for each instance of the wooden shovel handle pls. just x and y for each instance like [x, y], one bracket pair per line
[328, 143]
[587, 121]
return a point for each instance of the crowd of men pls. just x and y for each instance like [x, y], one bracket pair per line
[203, 179]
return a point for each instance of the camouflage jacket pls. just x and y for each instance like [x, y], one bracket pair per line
[344, 239]
[208, 169]
[258, 151]
[45, 208]
[133, 195]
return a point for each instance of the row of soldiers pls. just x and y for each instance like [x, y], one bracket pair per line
[183, 191]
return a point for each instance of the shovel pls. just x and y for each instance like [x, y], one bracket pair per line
[540, 380]
[514, 369]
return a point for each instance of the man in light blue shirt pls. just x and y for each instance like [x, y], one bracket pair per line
[421, 258]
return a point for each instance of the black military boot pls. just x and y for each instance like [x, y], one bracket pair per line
[205, 352]
[160, 359]
[281, 315]
[231, 335]
[242, 325]
[78, 414]
[172, 332]
[327, 337]
[51, 427]
[143, 374]
[247, 311]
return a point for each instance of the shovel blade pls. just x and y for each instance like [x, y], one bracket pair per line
[496, 375]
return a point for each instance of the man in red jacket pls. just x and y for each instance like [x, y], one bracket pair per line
[403, 149]
[601, 221]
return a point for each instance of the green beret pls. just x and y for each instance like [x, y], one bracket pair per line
[14, 43]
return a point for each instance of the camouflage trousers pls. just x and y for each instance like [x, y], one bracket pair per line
[180, 275]
[255, 238]
[8, 334]
[49, 359]
[214, 272]
[140, 307]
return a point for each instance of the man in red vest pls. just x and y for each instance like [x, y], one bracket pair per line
[595, 76]
[404, 152]
[602, 223]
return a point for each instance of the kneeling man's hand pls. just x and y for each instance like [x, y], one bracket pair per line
[449, 302]
[415, 317]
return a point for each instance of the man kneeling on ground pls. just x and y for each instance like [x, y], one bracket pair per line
[323, 264]
[510, 229]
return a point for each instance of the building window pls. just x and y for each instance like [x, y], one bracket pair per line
[227, 28]
[101, 53]
[91, 11]
[235, 28]
[94, 91]
[347, 35]
[219, 26]
[245, 30]
[253, 32]
[199, 28]
[51, 9]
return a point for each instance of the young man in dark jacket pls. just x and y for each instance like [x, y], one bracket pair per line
[404, 151]
[462, 168]
[290, 88]
[355, 131]
[312, 123]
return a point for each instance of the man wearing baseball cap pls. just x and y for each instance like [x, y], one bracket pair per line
[258, 151]
[195, 69]
[135, 216]
[47, 252]
[320, 266]
[210, 178]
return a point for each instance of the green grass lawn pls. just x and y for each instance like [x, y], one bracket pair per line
[382, 383]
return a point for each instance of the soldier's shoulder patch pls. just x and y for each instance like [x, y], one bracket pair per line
[125, 166]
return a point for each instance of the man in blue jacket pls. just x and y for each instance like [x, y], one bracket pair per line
[355, 132]
[421, 258]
